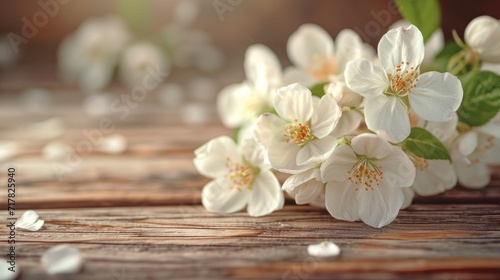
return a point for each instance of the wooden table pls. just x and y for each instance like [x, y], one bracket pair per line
[137, 215]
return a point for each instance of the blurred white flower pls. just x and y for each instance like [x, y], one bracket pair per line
[435, 176]
[482, 34]
[8, 149]
[242, 178]
[98, 104]
[36, 99]
[473, 151]
[242, 103]
[62, 259]
[89, 56]
[396, 86]
[138, 61]
[365, 180]
[316, 58]
[48, 129]
[298, 137]
[55, 150]
[171, 94]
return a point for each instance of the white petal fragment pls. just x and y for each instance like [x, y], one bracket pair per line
[323, 249]
[5, 270]
[113, 144]
[29, 221]
[62, 259]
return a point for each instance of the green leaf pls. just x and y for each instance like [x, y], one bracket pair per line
[424, 14]
[440, 62]
[481, 100]
[318, 89]
[423, 144]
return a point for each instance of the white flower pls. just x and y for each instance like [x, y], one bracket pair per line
[242, 177]
[316, 57]
[396, 86]
[306, 187]
[435, 176]
[365, 180]
[349, 101]
[299, 136]
[239, 104]
[62, 259]
[473, 151]
[482, 34]
[88, 57]
[30, 221]
[140, 60]
[470, 159]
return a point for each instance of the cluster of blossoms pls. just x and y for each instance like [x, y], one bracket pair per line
[359, 132]
[90, 56]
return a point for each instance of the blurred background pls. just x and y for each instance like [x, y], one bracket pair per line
[232, 25]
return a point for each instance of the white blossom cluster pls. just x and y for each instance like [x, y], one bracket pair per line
[359, 133]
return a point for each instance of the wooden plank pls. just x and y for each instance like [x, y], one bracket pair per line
[187, 241]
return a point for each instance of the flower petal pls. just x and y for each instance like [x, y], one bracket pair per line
[409, 194]
[349, 122]
[341, 201]
[473, 176]
[7, 274]
[349, 46]
[29, 220]
[325, 117]
[365, 78]
[210, 159]
[379, 207]
[62, 259]
[309, 44]
[292, 182]
[217, 196]
[294, 102]
[266, 195]
[437, 96]
[336, 166]
[399, 171]
[371, 145]
[262, 68]
[401, 45]
[269, 129]
[231, 103]
[295, 75]
[316, 151]
[309, 192]
[323, 249]
[483, 35]
[438, 177]
[387, 116]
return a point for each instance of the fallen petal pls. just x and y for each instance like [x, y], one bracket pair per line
[113, 144]
[5, 273]
[62, 259]
[323, 249]
[30, 221]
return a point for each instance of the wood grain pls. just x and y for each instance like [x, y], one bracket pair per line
[187, 241]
